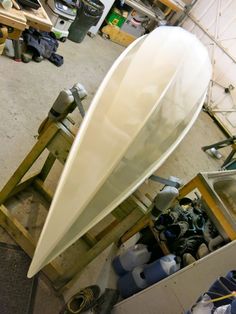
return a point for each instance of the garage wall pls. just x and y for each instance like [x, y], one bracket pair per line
[214, 23]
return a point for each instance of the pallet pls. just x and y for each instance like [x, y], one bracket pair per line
[116, 35]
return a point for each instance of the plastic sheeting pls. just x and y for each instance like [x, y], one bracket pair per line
[142, 110]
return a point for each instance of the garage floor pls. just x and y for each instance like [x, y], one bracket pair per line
[27, 93]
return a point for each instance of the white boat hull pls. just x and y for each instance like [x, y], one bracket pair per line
[146, 104]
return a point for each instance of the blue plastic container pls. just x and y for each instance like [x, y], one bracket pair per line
[132, 282]
[161, 269]
[134, 256]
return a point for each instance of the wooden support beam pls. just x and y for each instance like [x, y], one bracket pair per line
[119, 213]
[23, 185]
[28, 161]
[173, 5]
[58, 139]
[22, 237]
[143, 223]
[39, 185]
[89, 239]
[47, 166]
[108, 229]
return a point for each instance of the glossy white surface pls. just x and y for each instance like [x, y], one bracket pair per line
[142, 110]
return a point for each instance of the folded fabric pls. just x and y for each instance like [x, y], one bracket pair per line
[229, 284]
[202, 306]
[231, 276]
[218, 287]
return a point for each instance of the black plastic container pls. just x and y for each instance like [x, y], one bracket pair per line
[88, 14]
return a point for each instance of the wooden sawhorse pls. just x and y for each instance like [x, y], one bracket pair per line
[57, 138]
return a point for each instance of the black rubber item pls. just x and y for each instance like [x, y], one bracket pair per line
[26, 57]
[16, 290]
[34, 4]
[88, 14]
[38, 58]
[63, 39]
[106, 302]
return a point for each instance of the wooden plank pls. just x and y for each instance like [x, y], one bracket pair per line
[61, 144]
[105, 231]
[142, 223]
[22, 237]
[38, 19]
[21, 19]
[39, 185]
[172, 4]
[28, 161]
[126, 207]
[110, 238]
[20, 187]
[187, 188]
[143, 198]
[47, 166]
[89, 239]
[117, 35]
[118, 213]
[14, 34]
[13, 18]
[142, 207]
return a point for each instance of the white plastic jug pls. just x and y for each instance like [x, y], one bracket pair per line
[134, 256]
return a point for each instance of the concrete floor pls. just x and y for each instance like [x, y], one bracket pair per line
[27, 93]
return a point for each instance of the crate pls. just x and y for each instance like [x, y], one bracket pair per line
[114, 18]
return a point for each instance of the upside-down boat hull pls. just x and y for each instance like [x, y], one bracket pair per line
[144, 107]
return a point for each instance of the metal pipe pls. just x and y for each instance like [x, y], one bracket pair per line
[211, 37]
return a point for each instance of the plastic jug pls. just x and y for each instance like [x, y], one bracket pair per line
[134, 256]
[132, 282]
[226, 309]
[203, 306]
[161, 268]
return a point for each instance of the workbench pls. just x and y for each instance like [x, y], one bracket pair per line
[19, 20]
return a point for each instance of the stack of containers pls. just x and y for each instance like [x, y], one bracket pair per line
[134, 272]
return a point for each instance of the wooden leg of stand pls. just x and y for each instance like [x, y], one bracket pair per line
[28, 161]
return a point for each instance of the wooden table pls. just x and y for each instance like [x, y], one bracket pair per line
[38, 19]
[15, 20]
[22, 19]
[19, 20]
